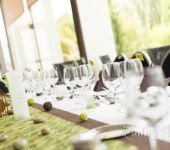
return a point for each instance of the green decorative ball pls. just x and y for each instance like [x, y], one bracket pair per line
[83, 117]
[47, 106]
[30, 101]
[91, 105]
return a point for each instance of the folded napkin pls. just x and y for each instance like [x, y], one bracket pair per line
[99, 84]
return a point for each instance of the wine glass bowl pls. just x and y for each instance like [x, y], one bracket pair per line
[111, 76]
[83, 73]
[132, 72]
[152, 106]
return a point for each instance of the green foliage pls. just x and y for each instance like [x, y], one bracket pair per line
[67, 35]
[116, 26]
[139, 25]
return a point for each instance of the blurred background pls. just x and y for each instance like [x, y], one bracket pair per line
[41, 33]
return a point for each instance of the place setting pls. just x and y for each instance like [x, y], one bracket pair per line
[133, 103]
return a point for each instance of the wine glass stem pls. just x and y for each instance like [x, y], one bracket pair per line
[153, 142]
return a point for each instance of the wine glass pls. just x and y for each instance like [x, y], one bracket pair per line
[83, 73]
[152, 106]
[139, 70]
[29, 82]
[53, 77]
[46, 83]
[91, 75]
[71, 79]
[26, 80]
[111, 75]
[132, 72]
[153, 77]
[37, 76]
[112, 78]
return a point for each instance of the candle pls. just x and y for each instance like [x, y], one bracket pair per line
[18, 95]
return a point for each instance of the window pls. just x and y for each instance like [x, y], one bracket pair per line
[23, 43]
[42, 34]
[140, 24]
[55, 30]
[62, 12]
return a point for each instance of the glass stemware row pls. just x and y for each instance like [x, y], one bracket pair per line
[117, 76]
[78, 78]
[40, 81]
[45, 81]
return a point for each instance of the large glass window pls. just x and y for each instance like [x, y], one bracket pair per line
[42, 34]
[62, 12]
[140, 24]
[23, 43]
[54, 27]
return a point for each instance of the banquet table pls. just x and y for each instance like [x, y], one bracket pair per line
[108, 114]
[141, 142]
[64, 120]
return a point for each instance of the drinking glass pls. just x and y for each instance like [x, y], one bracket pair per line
[46, 83]
[28, 82]
[151, 106]
[153, 77]
[91, 76]
[112, 77]
[83, 73]
[53, 77]
[132, 72]
[37, 75]
[71, 79]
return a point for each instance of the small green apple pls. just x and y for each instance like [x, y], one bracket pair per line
[83, 117]
[30, 101]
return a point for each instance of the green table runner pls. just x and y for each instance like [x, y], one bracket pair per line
[59, 138]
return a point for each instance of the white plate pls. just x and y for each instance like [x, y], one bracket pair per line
[113, 131]
[108, 132]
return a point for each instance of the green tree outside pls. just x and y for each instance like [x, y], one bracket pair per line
[139, 25]
[136, 25]
[68, 40]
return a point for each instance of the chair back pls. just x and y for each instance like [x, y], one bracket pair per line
[166, 65]
[60, 67]
[161, 57]
[144, 58]
[99, 86]
[120, 57]
[158, 54]
[105, 59]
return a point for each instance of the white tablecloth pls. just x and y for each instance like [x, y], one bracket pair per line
[111, 114]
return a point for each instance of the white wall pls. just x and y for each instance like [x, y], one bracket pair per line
[96, 27]
[48, 39]
[97, 31]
